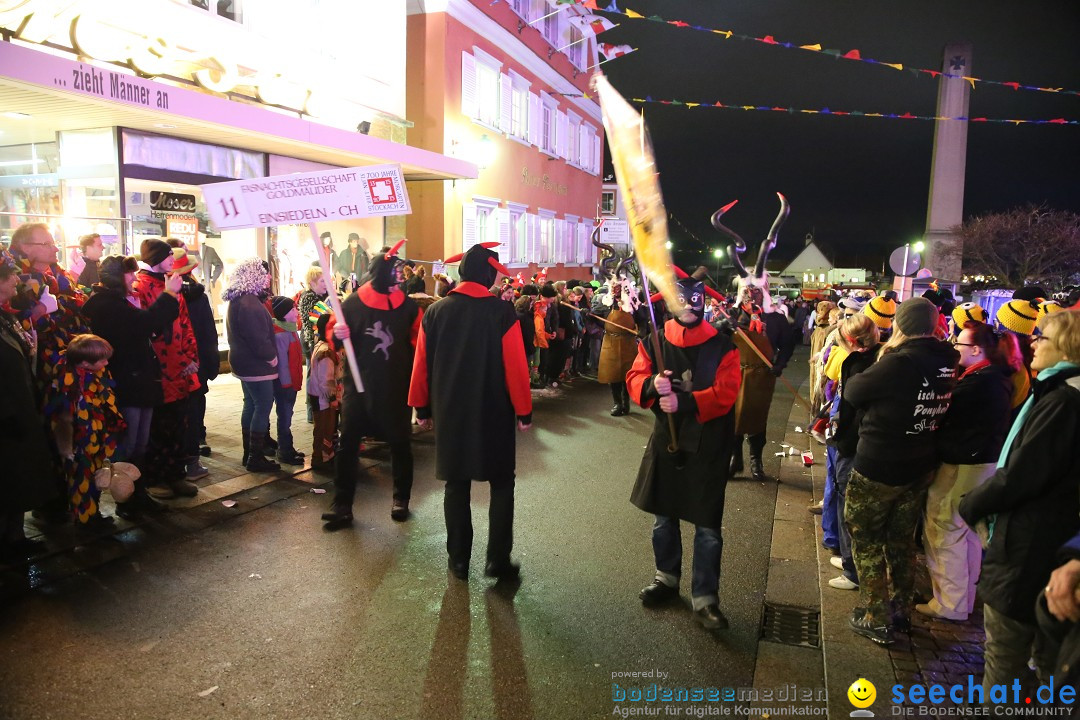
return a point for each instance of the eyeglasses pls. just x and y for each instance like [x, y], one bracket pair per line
[960, 344]
[1040, 338]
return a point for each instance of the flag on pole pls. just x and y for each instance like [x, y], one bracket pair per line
[613, 51]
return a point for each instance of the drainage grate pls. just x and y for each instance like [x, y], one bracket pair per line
[791, 625]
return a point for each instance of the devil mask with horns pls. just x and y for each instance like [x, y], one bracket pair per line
[383, 269]
[479, 265]
[753, 287]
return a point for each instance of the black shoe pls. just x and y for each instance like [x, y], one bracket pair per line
[900, 624]
[711, 618]
[617, 411]
[257, 462]
[96, 523]
[502, 570]
[338, 515]
[861, 624]
[657, 593]
[204, 451]
[757, 470]
[736, 466]
[184, 488]
[291, 458]
[399, 511]
[460, 570]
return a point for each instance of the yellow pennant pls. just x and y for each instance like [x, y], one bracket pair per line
[815, 47]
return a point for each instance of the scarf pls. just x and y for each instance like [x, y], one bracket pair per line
[284, 325]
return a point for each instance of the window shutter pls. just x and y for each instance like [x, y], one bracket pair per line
[596, 157]
[506, 99]
[468, 226]
[534, 119]
[582, 243]
[562, 129]
[560, 240]
[469, 100]
[532, 251]
[502, 218]
[584, 159]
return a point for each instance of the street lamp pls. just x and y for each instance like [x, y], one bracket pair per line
[917, 246]
[718, 253]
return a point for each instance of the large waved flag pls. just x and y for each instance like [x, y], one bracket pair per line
[635, 171]
[592, 24]
[613, 51]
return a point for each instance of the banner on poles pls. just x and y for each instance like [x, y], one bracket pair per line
[301, 198]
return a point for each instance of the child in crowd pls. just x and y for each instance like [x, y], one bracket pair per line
[290, 369]
[81, 404]
[323, 393]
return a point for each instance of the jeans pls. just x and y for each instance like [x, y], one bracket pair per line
[708, 547]
[843, 467]
[1009, 644]
[828, 506]
[137, 435]
[284, 402]
[196, 430]
[258, 400]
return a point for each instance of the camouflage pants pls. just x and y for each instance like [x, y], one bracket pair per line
[882, 520]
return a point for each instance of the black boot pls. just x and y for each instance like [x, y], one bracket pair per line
[257, 461]
[736, 457]
[757, 469]
[757, 447]
[247, 443]
[339, 516]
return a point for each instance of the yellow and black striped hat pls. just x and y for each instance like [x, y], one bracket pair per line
[1019, 316]
[881, 310]
[968, 312]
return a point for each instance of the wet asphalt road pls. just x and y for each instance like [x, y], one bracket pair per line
[267, 616]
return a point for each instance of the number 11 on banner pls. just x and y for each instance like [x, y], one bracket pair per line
[227, 207]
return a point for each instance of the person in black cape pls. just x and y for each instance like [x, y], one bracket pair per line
[382, 324]
[470, 380]
[698, 388]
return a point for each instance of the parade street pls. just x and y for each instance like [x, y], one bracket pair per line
[255, 611]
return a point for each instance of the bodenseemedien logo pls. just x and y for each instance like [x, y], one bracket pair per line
[862, 694]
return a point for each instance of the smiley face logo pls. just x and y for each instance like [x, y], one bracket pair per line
[862, 693]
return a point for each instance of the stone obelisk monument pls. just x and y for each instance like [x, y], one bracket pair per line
[945, 209]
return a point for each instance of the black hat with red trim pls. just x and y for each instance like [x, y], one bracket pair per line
[479, 264]
[382, 269]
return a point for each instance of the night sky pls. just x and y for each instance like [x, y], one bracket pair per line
[859, 184]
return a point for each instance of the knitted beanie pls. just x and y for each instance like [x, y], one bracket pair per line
[1049, 306]
[153, 251]
[968, 312]
[1019, 316]
[1030, 292]
[281, 306]
[917, 316]
[881, 310]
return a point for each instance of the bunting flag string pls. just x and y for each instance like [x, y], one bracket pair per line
[855, 54]
[850, 113]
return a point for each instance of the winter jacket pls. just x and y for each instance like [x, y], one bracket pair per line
[134, 364]
[903, 396]
[175, 347]
[290, 364]
[978, 419]
[528, 331]
[322, 375]
[250, 329]
[540, 332]
[845, 434]
[1036, 496]
[205, 328]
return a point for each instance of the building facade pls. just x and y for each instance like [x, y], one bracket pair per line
[112, 114]
[505, 85]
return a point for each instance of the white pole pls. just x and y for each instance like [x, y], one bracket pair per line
[903, 285]
[331, 294]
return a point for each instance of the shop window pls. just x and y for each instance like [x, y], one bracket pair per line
[480, 88]
[228, 9]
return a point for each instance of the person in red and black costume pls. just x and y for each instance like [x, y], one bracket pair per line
[382, 323]
[470, 379]
[698, 387]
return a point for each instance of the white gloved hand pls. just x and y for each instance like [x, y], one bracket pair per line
[49, 301]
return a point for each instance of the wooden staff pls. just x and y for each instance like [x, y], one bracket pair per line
[603, 320]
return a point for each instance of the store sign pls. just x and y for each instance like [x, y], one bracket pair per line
[326, 195]
[615, 231]
[172, 202]
[185, 230]
[165, 42]
[542, 181]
